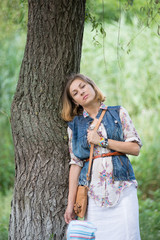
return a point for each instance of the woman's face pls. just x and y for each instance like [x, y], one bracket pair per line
[82, 93]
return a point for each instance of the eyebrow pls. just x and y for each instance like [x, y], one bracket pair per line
[78, 86]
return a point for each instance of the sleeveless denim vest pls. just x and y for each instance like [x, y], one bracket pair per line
[122, 168]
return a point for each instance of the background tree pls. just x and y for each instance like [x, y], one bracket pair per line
[53, 50]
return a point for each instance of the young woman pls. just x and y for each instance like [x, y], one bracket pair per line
[112, 196]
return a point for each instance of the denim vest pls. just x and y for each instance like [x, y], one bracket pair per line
[122, 168]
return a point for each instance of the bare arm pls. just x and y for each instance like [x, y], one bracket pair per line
[73, 183]
[124, 147]
[131, 148]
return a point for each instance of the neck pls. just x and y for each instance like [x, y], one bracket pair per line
[93, 109]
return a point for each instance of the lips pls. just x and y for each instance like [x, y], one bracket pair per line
[85, 97]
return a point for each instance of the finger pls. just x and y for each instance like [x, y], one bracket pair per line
[89, 134]
[67, 217]
[68, 220]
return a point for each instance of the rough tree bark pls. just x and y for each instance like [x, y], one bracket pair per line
[53, 50]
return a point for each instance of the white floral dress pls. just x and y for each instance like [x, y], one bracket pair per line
[103, 190]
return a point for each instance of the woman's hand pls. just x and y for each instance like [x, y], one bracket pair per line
[93, 137]
[131, 148]
[73, 183]
[69, 214]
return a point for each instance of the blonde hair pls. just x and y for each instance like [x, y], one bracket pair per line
[70, 109]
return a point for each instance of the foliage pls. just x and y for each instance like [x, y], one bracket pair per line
[147, 166]
[149, 217]
[96, 26]
[146, 12]
[51, 237]
[11, 51]
[5, 208]
[13, 17]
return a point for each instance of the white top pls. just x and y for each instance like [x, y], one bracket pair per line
[102, 189]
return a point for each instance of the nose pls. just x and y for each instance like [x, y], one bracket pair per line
[82, 92]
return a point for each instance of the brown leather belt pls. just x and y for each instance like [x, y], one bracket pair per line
[106, 155]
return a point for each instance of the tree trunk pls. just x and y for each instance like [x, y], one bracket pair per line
[53, 50]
